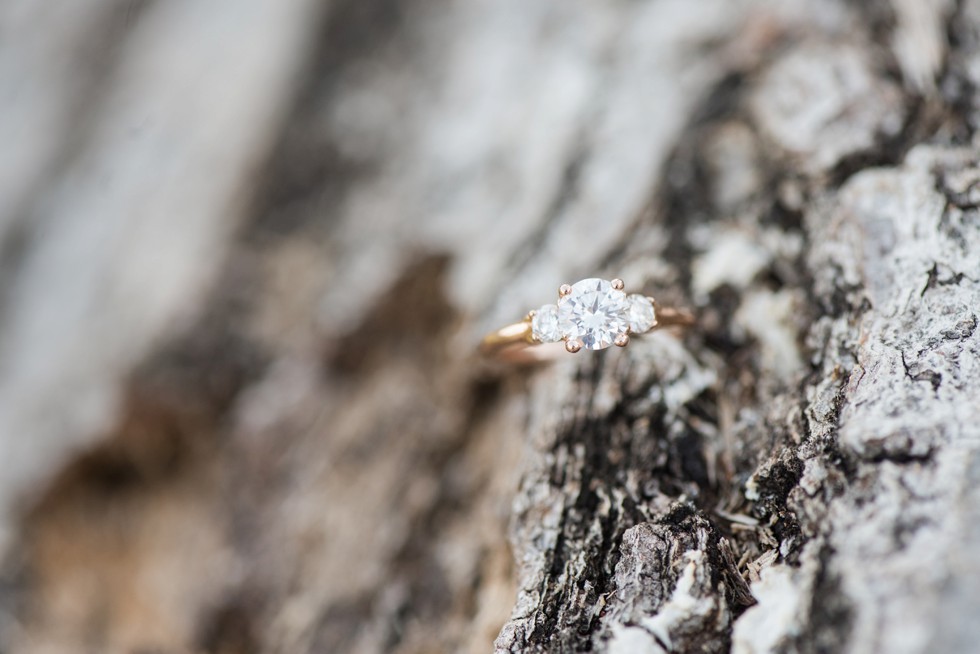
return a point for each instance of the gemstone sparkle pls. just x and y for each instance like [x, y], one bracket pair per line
[593, 313]
[544, 324]
[642, 315]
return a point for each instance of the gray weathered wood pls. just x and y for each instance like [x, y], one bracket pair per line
[247, 251]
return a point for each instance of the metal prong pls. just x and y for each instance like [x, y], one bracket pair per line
[622, 340]
[618, 284]
[573, 346]
[564, 290]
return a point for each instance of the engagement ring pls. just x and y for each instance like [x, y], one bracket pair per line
[591, 314]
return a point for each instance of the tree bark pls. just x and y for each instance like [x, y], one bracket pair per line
[244, 413]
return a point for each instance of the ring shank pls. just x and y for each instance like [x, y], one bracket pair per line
[507, 337]
[671, 317]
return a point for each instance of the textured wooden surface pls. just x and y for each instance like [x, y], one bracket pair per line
[247, 248]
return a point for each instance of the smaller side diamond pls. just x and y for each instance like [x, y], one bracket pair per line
[642, 315]
[544, 324]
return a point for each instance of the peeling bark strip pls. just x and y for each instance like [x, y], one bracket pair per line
[308, 459]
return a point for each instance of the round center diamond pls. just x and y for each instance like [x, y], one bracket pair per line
[594, 313]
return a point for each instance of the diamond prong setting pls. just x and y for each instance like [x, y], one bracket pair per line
[642, 314]
[592, 314]
[544, 324]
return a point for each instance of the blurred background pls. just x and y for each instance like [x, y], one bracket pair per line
[247, 248]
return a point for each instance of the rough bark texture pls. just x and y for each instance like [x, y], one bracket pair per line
[247, 248]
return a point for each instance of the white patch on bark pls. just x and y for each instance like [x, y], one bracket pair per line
[777, 616]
